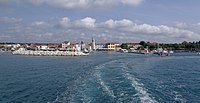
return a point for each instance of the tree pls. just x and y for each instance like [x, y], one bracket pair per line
[185, 42]
[143, 43]
[124, 46]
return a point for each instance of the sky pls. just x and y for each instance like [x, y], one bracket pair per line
[55, 21]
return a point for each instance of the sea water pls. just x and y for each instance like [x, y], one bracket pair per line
[100, 78]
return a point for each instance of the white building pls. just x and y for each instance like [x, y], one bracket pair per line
[65, 44]
[42, 47]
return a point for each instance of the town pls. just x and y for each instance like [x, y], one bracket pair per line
[68, 48]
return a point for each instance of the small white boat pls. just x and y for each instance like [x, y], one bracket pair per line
[85, 51]
[171, 52]
[133, 51]
[123, 51]
[198, 53]
[164, 53]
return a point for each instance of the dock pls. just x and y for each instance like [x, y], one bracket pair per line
[49, 53]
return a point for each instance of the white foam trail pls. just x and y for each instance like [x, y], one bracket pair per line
[179, 98]
[144, 96]
[141, 91]
[101, 82]
[65, 98]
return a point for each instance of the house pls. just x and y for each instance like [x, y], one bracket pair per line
[133, 45]
[65, 44]
[100, 46]
[44, 46]
[112, 46]
[73, 47]
[53, 47]
[40, 46]
[11, 46]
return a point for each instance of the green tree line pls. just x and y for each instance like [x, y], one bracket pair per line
[184, 46]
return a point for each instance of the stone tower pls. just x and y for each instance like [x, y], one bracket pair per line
[93, 44]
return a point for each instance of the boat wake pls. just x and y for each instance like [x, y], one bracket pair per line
[112, 87]
[139, 87]
[101, 82]
[143, 95]
[179, 98]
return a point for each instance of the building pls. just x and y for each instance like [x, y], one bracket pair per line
[93, 44]
[82, 45]
[53, 47]
[10, 46]
[112, 46]
[73, 47]
[100, 46]
[65, 44]
[133, 45]
[44, 46]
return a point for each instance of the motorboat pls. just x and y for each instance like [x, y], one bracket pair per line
[171, 52]
[164, 53]
[123, 50]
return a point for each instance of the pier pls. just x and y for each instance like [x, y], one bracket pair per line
[48, 53]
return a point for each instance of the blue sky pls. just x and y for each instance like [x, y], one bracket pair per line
[165, 21]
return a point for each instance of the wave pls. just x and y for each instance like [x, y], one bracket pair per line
[179, 98]
[81, 92]
[101, 82]
[142, 93]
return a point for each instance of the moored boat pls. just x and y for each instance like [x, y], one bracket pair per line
[164, 53]
[171, 52]
[123, 50]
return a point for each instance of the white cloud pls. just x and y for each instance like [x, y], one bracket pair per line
[108, 30]
[41, 24]
[38, 23]
[103, 2]
[86, 23]
[69, 4]
[132, 2]
[9, 20]
[65, 22]
[198, 24]
[129, 26]
[181, 25]
[110, 24]
[76, 4]
[117, 23]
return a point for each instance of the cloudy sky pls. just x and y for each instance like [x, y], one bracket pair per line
[165, 21]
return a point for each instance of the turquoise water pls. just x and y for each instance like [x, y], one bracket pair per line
[100, 78]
